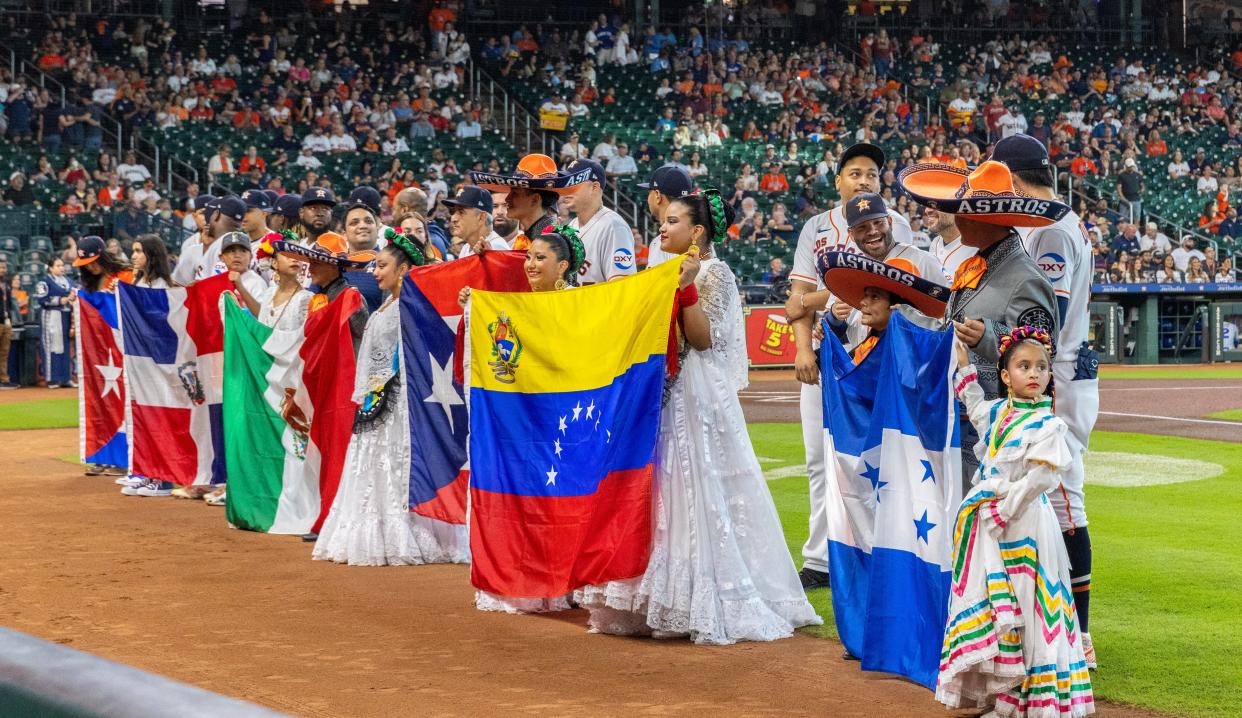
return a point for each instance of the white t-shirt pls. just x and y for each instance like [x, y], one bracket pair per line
[950, 254]
[494, 241]
[342, 143]
[317, 143]
[130, 174]
[609, 245]
[1062, 251]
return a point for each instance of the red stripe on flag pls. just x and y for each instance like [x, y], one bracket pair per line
[174, 455]
[543, 547]
[449, 505]
[204, 323]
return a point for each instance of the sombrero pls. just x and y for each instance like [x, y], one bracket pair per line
[535, 172]
[330, 248]
[847, 274]
[985, 194]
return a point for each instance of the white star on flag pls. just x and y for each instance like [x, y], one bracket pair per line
[563, 426]
[591, 410]
[578, 410]
[442, 391]
[110, 373]
[551, 477]
[557, 447]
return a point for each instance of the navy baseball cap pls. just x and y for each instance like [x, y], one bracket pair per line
[231, 206]
[670, 181]
[862, 149]
[257, 199]
[864, 208]
[366, 197]
[90, 248]
[272, 196]
[203, 201]
[471, 196]
[597, 170]
[1021, 152]
[288, 206]
[234, 239]
[318, 195]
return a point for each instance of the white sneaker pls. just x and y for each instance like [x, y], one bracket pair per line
[134, 481]
[152, 488]
[130, 490]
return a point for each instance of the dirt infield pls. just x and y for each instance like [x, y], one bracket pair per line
[164, 585]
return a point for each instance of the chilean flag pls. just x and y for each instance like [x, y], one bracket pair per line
[101, 391]
[174, 357]
[430, 315]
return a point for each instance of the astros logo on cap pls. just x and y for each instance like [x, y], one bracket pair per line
[862, 204]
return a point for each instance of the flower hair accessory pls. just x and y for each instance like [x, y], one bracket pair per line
[405, 244]
[1023, 334]
[266, 250]
[577, 252]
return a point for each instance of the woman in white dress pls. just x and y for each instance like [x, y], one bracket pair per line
[370, 522]
[720, 570]
[285, 304]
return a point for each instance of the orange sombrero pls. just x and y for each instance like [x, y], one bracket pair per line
[985, 194]
[536, 172]
[330, 248]
[847, 274]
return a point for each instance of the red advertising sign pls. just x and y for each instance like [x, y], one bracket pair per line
[769, 337]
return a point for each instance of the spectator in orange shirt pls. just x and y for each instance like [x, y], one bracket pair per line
[247, 118]
[251, 160]
[774, 179]
[113, 192]
[1084, 164]
[1155, 145]
[440, 16]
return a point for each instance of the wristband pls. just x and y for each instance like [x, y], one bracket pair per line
[689, 296]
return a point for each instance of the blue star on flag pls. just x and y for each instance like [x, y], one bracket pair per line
[872, 474]
[922, 526]
[927, 471]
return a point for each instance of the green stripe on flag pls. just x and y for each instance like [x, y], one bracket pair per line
[253, 430]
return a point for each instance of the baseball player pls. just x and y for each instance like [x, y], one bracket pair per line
[608, 240]
[858, 170]
[667, 183]
[1062, 252]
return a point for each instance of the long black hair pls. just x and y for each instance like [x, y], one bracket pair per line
[109, 266]
[158, 264]
[710, 211]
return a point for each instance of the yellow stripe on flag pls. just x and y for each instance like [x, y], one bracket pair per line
[571, 340]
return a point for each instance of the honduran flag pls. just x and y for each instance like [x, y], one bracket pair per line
[174, 349]
[101, 385]
[430, 316]
[276, 467]
[892, 448]
[564, 396]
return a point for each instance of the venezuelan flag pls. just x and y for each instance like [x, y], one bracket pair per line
[565, 391]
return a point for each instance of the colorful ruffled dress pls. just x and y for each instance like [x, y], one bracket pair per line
[1012, 641]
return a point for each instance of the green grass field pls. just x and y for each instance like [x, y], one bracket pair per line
[1165, 577]
[1230, 415]
[45, 414]
[1172, 371]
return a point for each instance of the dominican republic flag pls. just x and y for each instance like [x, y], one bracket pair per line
[892, 444]
[439, 425]
[174, 355]
[101, 386]
[276, 468]
[565, 391]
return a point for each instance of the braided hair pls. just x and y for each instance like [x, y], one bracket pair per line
[709, 210]
[1024, 335]
[566, 245]
[404, 249]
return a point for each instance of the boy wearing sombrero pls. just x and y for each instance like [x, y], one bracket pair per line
[327, 260]
[532, 192]
[1000, 287]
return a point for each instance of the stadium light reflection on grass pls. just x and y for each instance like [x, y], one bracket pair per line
[1165, 576]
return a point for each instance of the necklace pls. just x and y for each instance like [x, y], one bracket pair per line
[387, 302]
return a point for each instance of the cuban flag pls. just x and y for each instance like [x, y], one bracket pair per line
[174, 358]
[439, 425]
[891, 435]
[101, 391]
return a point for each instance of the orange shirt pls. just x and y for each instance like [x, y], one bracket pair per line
[439, 17]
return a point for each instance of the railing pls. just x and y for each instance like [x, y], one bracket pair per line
[1106, 32]
[1099, 190]
[521, 126]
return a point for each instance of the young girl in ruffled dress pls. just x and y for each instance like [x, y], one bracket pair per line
[1012, 642]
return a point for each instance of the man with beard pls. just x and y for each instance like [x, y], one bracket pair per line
[858, 171]
[502, 224]
[946, 244]
[316, 213]
[470, 222]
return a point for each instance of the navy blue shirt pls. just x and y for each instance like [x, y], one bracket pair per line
[366, 285]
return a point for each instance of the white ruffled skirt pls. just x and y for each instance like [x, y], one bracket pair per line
[720, 569]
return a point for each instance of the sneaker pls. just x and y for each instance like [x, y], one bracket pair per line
[105, 470]
[310, 537]
[132, 481]
[132, 490]
[1088, 650]
[93, 470]
[7, 387]
[850, 656]
[813, 579]
[52, 386]
[71, 385]
[216, 498]
[153, 488]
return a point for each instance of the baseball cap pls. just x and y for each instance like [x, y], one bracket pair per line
[288, 206]
[89, 249]
[670, 181]
[318, 195]
[472, 197]
[864, 208]
[1021, 152]
[203, 201]
[597, 170]
[861, 149]
[234, 239]
[366, 197]
[257, 199]
[231, 206]
[272, 196]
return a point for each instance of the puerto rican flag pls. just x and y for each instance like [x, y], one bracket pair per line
[101, 389]
[174, 357]
[430, 316]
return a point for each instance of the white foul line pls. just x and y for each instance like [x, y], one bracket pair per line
[1163, 388]
[1173, 418]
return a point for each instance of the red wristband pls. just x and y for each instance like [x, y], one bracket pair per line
[689, 296]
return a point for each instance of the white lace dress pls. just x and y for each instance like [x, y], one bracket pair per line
[370, 522]
[720, 570]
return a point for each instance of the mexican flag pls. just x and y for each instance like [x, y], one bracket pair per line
[283, 475]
